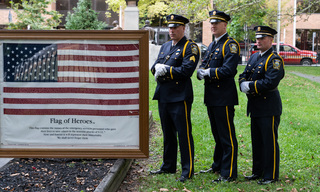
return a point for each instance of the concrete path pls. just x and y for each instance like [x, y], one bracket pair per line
[4, 161]
[311, 77]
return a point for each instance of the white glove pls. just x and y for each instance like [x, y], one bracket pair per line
[199, 74]
[156, 75]
[244, 86]
[205, 72]
[160, 69]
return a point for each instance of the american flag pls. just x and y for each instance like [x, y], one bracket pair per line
[86, 78]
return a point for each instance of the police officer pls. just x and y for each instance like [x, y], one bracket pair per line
[218, 70]
[259, 81]
[173, 68]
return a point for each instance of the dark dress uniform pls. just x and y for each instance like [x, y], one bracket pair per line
[220, 97]
[264, 106]
[174, 93]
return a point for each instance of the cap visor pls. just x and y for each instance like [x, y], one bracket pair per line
[173, 25]
[215, 20]
[260, 36]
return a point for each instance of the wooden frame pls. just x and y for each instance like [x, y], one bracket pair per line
[138, 35]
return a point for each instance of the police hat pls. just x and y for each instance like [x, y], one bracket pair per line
[176, 20]
[262, 31]
[218, 16]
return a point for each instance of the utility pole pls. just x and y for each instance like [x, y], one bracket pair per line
[294, 23]
[278, 28]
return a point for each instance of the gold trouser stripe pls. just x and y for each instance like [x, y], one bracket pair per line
[186, 111]
[231, 142]
[171, 73]
[274, 149]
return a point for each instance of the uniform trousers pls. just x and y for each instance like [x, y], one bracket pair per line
[175, 118]
[226, 148]
[265, 147]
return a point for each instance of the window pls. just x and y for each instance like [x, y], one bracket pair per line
[5, 4]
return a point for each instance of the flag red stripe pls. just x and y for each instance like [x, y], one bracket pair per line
[71, 101]
[99, 69]
[70, 112]
[98, 80]
[99, 47]
[98, 58]
[69, 90]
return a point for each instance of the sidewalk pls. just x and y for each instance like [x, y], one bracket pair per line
[4, 161]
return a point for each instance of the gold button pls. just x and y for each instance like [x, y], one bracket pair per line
[218, 85]
[177, 83]
[265, 97]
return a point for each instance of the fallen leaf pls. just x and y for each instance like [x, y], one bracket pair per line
[263, 190]
[15, 174]
[279, 189]
[294, 190]
[186, 190]
[163, 189]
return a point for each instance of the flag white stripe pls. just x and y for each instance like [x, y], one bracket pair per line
[71, 85]
[97, 75]
[70, 96]
[71, 106]
[91, 42]
[98, 53]
[98, 64]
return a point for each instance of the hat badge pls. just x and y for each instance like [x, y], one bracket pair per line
[172, 16]
[259, 28]
[214, 13]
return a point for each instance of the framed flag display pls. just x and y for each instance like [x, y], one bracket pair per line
[69, 94]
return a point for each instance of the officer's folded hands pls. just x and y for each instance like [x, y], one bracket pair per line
[160, 70]
[244, 87]
[201, 73]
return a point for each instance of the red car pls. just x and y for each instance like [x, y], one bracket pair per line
[292, 55]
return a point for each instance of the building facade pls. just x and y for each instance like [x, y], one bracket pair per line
[63, 7]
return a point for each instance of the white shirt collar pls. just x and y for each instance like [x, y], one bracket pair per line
[261, 54]
[218, 38]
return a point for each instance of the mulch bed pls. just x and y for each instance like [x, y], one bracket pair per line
[53, 175]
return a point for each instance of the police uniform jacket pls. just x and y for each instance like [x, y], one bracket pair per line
[265, 74]
[222, 59]
[176, 84]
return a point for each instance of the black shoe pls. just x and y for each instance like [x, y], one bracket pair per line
[223, 179]
[182, 179]
[252, 177]
[266, 181]
[160, 171]
[210, 170]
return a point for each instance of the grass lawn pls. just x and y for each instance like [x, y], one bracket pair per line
[299, 141]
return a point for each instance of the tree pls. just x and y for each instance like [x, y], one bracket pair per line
[83, 17]
[35, 15]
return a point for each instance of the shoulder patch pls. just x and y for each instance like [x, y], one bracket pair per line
[233, 48]
[194, 49]
[276, 63]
